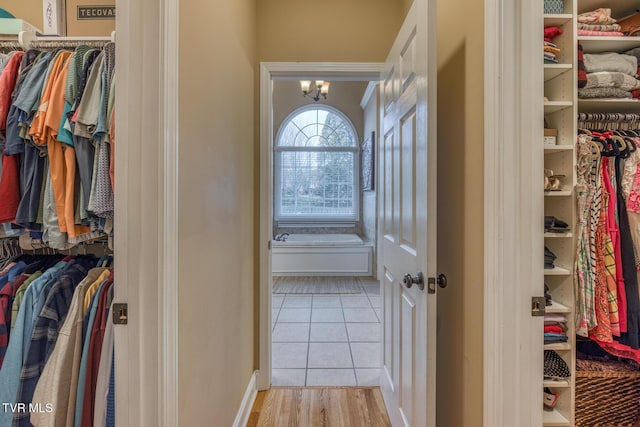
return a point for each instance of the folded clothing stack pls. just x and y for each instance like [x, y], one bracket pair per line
[549, 259]
[555, 328]
[598, 23]
[555, 225]
[551, 50]
[610, 75]
[635, 52]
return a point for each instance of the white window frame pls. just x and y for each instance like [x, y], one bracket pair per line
[316, 220]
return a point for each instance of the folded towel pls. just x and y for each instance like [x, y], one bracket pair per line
[600, 33]
[550, 61]
[611, 27]
[612, 79]
[603, 92]
[634, 52]
[554, 329]
[562, 325]
[552, 49]
[551, 338]
[600, 16]
[554, 317]
[611, 61]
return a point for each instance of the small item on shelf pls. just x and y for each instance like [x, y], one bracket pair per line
[550, 49]
[555, 368]
[630, 25]
[555, 225]
[549, 259]
[550, 399]
[552, 182]
[550, 137]
[553, 6]
[547, 296]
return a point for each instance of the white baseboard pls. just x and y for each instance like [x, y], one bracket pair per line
[242, 418]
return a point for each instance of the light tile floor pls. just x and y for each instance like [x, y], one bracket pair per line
[327, 340]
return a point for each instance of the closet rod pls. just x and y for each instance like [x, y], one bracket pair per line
[28, 39]
[611, 121]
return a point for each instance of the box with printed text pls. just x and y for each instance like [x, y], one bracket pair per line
[90, 17]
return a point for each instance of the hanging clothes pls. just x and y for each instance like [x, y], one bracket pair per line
[57, 158]
[608, 231]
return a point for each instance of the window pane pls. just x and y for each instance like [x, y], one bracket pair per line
[316, 184]
[317, 127]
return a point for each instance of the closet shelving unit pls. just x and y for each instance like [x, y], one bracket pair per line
[560, 85]
[560, 113]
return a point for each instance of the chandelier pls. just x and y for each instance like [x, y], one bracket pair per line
[320, 89]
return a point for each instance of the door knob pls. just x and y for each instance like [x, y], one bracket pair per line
[408, 280]
[440, 280]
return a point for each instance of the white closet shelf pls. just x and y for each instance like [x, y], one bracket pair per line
[556, 148]
[556, 383]
[560, 193]
[554, 419]
[554, 106]
[608, 105]
[557, 307]
[556, 19]
[558, 235]
[557, 271]
[595, 44]
[551, 71]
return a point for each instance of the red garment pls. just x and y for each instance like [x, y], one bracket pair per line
[554, 329]
[636, 93]
[9, 187]
[7, 84]
[614, 233]
[551, 32]
[93, 361]
[617, 349]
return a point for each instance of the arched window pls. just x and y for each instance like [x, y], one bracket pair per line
[316, 167]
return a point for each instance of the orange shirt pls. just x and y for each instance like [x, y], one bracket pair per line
[62, 158]
[38, 126]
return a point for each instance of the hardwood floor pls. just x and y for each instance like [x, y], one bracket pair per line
[319, 407]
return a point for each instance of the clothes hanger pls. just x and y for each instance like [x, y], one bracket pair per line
[620, 146]
[595, 148]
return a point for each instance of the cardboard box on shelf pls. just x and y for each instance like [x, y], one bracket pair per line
[91, 17]
[550, 136]
[79, 17]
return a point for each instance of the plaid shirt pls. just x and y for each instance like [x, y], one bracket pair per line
[45, 333]
[6, 298]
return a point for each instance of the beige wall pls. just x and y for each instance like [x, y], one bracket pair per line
[460, 212]
[29, 10]
[216, 266]
[345, 96]
[332, 30]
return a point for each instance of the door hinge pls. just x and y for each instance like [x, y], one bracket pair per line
[269, 245]
[538, 306]
[120, 313]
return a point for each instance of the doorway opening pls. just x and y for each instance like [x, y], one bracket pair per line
[320, 299]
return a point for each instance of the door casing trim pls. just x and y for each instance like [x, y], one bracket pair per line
[270, 71]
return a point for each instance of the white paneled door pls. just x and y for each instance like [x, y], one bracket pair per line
[407, 222]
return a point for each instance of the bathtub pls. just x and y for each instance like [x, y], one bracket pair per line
[321, 255]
